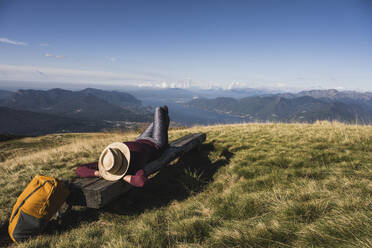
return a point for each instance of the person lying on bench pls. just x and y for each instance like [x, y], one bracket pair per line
[126, 160]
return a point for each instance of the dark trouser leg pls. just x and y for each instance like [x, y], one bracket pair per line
[160, 131]
[148, 132]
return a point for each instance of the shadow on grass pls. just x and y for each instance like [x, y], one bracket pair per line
[4, 237]
[72, 219]
[189, 175]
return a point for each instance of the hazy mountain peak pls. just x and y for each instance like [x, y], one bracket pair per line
[91, 104]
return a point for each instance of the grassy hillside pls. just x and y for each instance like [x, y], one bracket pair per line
[250, 185]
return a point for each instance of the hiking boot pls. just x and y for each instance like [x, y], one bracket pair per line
[165, 109]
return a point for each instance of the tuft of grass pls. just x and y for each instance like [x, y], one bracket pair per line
[250, 185]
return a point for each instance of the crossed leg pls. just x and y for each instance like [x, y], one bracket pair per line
[157, 131]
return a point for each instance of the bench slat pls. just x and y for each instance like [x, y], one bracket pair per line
[176, 149]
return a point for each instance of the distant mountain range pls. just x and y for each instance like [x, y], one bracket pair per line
[333, 94]
[306, 106]
[22, 122]
[30, 111]
[33, 112]
[185, 114]
[107, 109]
[122, 99]
[88, 104]
[234, 92]
[177, 95]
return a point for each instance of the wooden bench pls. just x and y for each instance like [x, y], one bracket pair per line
[97, 192]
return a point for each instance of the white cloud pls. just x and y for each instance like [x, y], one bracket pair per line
[12, 42]
[44, 44]
[54, 56]
[112, 59]
[233, 85]
[280, 85]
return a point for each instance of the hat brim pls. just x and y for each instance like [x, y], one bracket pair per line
[125, 166]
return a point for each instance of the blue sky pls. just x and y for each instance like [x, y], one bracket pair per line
[294, 44]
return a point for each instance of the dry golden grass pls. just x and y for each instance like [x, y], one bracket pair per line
[250, 185]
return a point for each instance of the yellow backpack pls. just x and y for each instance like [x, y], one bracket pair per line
[40, 200]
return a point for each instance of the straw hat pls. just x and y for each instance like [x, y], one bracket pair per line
[114, 161]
